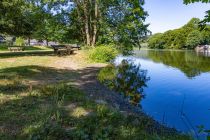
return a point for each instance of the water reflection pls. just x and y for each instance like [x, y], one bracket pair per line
[206, 54]
[178, 93]
[127, 79]
[188, 62]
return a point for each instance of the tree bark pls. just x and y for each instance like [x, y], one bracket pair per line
[79, 15]
[29, 41]
[47, 42]
[95, 24]
[87, 28]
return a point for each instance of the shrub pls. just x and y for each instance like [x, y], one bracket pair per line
[19, 41]
[103, 53]
[3, 47]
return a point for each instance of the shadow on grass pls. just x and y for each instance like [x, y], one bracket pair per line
[31, 53]
[43, 112]
[21, 112]
[16, 79]
[63, 112]
[52, 112]
[26, 53]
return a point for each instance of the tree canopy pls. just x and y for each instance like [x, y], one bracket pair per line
[192, 1]
[193, 39]
[188, 37]
[86, 21]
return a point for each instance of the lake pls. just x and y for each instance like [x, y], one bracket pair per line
[178, 92]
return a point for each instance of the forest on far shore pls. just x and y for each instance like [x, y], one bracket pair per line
[186, 37]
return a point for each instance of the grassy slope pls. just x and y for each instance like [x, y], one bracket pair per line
[37, 101]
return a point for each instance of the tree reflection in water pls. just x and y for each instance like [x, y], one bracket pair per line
[188, 62]
[127, 79]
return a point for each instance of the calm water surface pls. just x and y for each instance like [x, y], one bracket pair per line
[178, 92]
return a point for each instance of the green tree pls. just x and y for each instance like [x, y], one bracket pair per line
[192, 1]
[193, 39]
[156, 41]
[87, 21]
[14, 17]
[180, 38]
[206, 35]
[176, 39]
[122, 21]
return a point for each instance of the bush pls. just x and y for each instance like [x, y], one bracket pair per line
[3, 47]
[103, 53]
[19, 41]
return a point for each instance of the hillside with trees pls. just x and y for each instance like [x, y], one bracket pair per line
[186, 37]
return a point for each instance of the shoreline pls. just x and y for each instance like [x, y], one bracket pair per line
[102, 94]
[46, 70]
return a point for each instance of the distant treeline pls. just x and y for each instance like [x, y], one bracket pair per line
[186, 37]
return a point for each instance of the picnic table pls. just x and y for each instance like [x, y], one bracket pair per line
[15, 49]
[62, 49]
[76, 46]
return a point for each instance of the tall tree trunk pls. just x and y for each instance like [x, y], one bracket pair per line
[95, 24]
[80, 19]
[87, 28]
[29, 41]
[47, 42]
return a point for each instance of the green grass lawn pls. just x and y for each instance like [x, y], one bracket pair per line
[38, 102]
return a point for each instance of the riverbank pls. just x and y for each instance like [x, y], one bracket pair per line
[46, 96]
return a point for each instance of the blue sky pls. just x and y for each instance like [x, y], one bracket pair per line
[171, 14]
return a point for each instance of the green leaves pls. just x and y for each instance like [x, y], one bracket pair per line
[156, 41]
[128, 18]
[192, 1]
[188, 36]
[86, 21]
[103, 53]
[193, 39]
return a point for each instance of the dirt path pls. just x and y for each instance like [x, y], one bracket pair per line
[86, 80]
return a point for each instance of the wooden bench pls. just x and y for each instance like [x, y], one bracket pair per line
[76, 46]
[16, 49]
[62, 49]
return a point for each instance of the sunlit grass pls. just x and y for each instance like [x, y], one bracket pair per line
[79, 111]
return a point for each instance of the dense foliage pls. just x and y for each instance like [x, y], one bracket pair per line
[19, 41]
[193, 39]
[82, 21]
[186, 37]
[103, 53]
